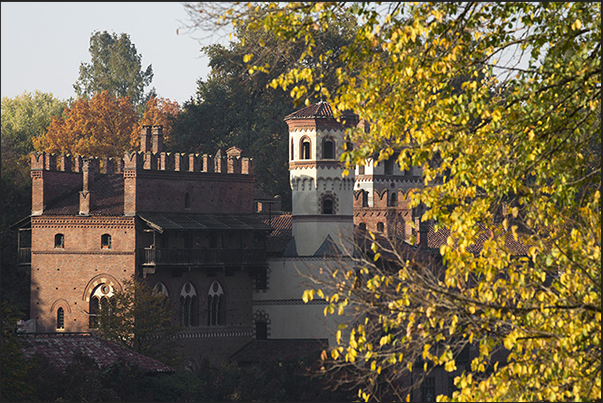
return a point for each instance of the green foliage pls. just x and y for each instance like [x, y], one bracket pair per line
[511, 161]
[25, 117]
[14, 382]
[116, 67]
[233, 108]
[141, 320]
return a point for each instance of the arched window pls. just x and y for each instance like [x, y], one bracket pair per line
[188, 306]
[187, 201]
[106, 241]
[380, 227]
[59, 241]
[393, 199]
[261, 321]
[99, 300]
[60, 318]
[215, 305]
[362, 226]
[327, 206]
[161, 289]
[292, 151]
[328, 149]
[305, 149]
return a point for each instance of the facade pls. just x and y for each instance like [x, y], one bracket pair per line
[184, 222]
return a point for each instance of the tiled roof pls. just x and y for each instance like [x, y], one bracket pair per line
[109, 190]
[281, 234]
[320, 110]
[59, 349]
[436, 239]
[163, 222]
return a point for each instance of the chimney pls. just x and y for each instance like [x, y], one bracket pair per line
[157, 139]
[87, 195]
[145, 139]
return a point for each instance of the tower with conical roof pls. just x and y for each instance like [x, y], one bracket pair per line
[322, 198]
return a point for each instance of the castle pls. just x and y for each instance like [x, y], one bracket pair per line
[194, 228]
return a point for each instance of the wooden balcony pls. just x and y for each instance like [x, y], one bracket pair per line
[24, 256]
[202, 257]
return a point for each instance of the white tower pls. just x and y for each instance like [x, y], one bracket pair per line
[322, 196]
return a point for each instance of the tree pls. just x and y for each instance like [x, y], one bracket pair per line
[101, 126]
[115, 67]
[140, 319]
[512, 158]
[24, 117]
[233, 108]
[159, 111]
[27, 116]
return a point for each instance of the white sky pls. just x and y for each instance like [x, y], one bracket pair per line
[43, 45]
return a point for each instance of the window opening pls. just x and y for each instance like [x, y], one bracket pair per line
[60, 318]
[393, 199]
[188, 306]
[365, 195]
[328, 151]
[327, 206]
[59, 241]
[215, 304]
[106, 241]
[99, 300]
[380, 227]
[187, 201]
[305, 150]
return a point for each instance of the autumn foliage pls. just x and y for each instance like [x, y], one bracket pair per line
[102, 125]
[158, 111]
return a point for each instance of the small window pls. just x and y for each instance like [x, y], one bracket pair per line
[305, 149]
[292, 151]
[59, 241]
[187, 201]
[361, 170]
[380, 227]
[327, 206]
[393, 199]
[328, 149]
[60, 318]
[365, 195]
[106, 241]
[261, 330]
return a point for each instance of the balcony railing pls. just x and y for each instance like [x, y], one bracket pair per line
[202, 257]
[24, 256]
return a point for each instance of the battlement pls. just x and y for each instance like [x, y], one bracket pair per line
[151, 157]
[231, 163]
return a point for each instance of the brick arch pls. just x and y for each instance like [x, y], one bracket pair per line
[100, 279]
[60, 303]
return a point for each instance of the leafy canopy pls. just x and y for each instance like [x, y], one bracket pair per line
[101, 126]
[115, 67]
[511, 155]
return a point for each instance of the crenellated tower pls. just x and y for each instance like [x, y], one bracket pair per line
[322, 197]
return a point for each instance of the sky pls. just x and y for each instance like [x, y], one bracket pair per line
[43, 45]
